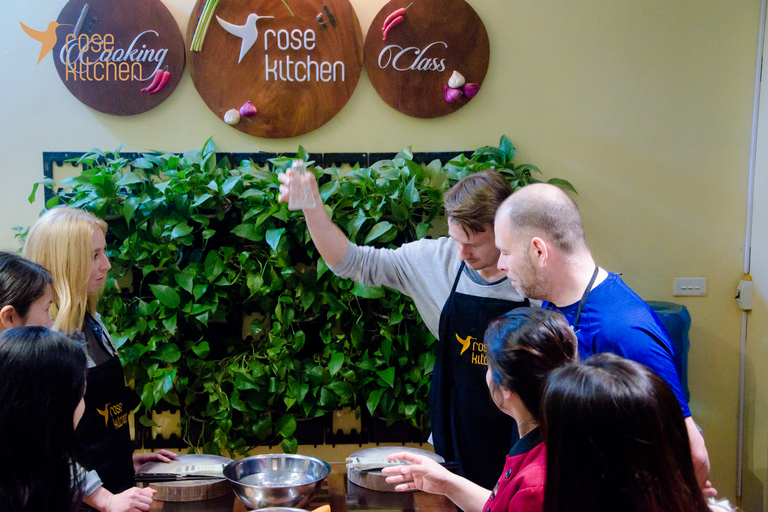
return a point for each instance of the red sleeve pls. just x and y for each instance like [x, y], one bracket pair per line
[527, 499]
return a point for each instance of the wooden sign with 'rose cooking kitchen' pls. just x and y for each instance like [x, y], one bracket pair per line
[427, 58]
[119, 57]
[275, 69]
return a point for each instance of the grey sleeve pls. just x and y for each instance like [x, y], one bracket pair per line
[91, 480]
[395, 268]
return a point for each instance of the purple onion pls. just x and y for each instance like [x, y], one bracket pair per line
[470, 90]
[248, 109]
[451, 94]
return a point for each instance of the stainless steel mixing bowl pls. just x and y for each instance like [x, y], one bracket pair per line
[266, 481]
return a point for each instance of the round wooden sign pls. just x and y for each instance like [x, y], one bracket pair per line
[297, 67]
[111, 51]
[426, 41]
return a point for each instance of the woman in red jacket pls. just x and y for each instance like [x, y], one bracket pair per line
[522, 348]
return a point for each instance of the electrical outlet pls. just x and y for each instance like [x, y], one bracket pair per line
[690, 286]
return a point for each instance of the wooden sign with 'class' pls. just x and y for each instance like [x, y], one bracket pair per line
[111, 50]
[298, 67]
[426, 43]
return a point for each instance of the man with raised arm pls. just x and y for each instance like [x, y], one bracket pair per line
[544, 253]
[458, 290]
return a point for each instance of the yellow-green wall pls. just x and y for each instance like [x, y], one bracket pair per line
[644, 106]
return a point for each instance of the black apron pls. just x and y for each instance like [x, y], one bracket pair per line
[103, 433]
[467, 427]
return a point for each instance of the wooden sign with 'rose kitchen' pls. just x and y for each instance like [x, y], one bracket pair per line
[296, 62]
[413, 48]
[119, 57]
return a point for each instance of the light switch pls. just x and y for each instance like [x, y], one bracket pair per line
[690, 286]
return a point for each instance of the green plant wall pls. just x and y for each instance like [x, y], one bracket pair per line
[220, 304]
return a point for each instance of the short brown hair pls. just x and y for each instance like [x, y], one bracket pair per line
[473, 201]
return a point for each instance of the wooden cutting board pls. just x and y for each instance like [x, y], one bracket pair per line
[376, 480]
[186, 490]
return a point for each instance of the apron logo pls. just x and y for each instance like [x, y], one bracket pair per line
[478, 349]
[116, 413]
[464, 343]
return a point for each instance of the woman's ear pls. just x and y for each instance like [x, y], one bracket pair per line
[9, 318]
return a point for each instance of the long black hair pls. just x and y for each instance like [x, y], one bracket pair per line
[616, 440]
[22, 282]
[43, 381]
[523, 347]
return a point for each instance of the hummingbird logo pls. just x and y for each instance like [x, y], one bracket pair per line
[464, 343]
[47, 37]
[104, 413]
[248, 32]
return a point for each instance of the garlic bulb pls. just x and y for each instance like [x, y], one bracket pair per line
[232, 116]
[456, 80]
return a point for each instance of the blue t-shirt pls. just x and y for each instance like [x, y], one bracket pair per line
[615, 319]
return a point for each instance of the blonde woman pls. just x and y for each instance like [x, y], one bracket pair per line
[71, 244]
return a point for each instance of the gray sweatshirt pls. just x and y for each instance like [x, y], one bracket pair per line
[424, 270]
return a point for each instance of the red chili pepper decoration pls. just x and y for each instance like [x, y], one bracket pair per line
[161, 78]
[163, 81]
[393, 19]
[394, 22]
[158, 77]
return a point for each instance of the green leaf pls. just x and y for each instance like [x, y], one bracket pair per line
[201, 199]
[289, 445]
[47, 182]
[334, 365]
[368, 292]
[328, 189]
[181, 229]
[373, 400]
[273, 237]
[170, 324]
[167, 296]
[387, 376]
[199, 290]
[249, 231]
[563, 184]
[286, 425]
[506, 146]
[411, 195]
[184, 280]
[378, 231]
[214, 266]
[129, 178]
[201, 350]
[169, 353]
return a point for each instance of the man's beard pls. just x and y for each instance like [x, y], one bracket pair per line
[533, 283]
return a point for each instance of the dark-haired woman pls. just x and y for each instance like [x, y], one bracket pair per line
[616, 440]
[26, 292]
[522, 348]
[38, 418]
[25, 299]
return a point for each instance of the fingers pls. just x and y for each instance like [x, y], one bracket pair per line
[167, 453]
[396, 478]
[284, 177]
[134, 499]
[285, 187]
[709, 490]
[410, 457]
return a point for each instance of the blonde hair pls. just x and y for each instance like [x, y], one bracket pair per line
[62, 241]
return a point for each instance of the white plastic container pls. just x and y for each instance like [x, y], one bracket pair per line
[301, 195]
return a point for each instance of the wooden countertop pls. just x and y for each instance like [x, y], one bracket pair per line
[341, 495]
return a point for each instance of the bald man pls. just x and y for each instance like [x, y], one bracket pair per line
[544, 253]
